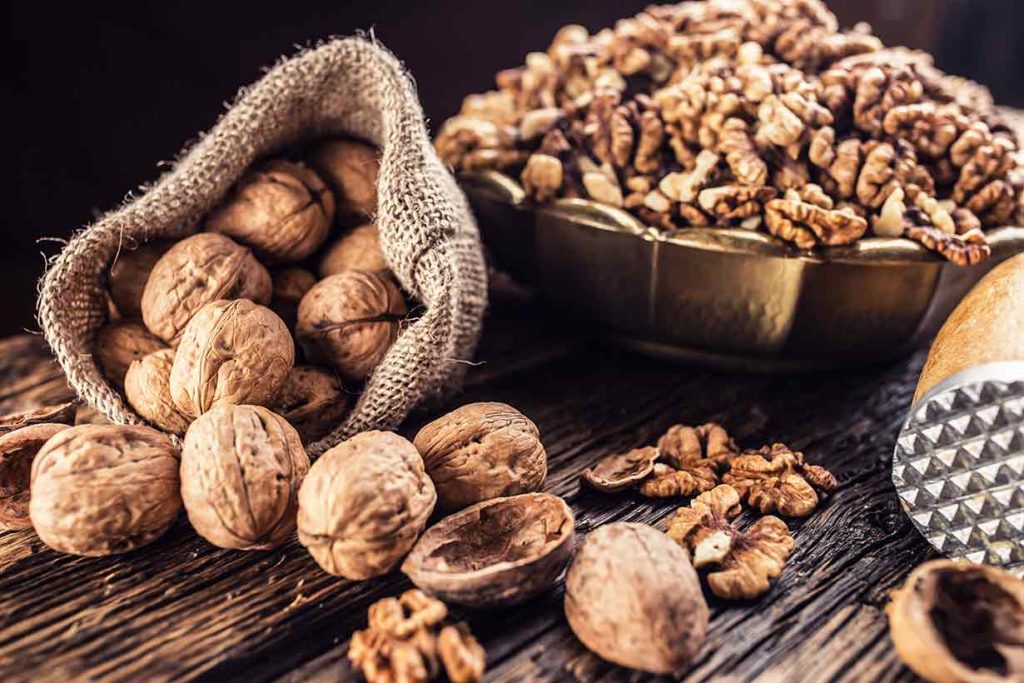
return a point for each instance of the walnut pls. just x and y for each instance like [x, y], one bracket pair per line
[474, 144]
[18, 449]
[649, 141]
[964, 250]
[406, 640]
[879, 90]
[539, 122]
[104, 489]
[685, 187]
[280, 209]
[542, 177]
[363, 505]
[709, 444]
[603, 188]
[481, 451]
[734, 202]
[891, 220]
[498, 552]
[241, 467]
[807, 225]
[129, 274]
[121, 343]
[61, 413]
[147, 386]
[633, 599]
[231, 352]
[737, 146]
[930, 128]
[312, 400]
[194, 272]
[958, 622]
[350, 169]
[290, 285]
[348, 321]
[357, 249]
[776, 479]
[608, 129]
[746, 561]
[622, 470]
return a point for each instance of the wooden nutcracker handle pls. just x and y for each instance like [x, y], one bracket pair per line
[987, 327]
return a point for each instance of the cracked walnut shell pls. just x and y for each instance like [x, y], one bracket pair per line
[194, 272]
[348, 321]
[357, 249]
[312, 400]
[363, 505]
[622, 470]
[280, 209]
[957, 622]
[481, 451]
[120, 344]
[147, 386]
[241, 467]
[18, 449]
[776, 479]
[104, 489]
[498, 552]
[232, 352]
[350, 168]
[633, 599]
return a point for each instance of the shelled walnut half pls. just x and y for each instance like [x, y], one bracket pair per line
[776, 479]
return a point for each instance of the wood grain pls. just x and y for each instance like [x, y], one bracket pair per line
[183, 610]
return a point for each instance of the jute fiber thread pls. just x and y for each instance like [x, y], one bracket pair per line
[349, 86]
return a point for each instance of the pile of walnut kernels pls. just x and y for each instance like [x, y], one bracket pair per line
[753, 113]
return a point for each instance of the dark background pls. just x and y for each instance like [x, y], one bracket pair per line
[96, 97]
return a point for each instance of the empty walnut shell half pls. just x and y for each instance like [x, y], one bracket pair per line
[956, 622]
[632, 597]
[17, 451]
[482, 451]
[241, 468]
[497, 552]
[104, 489]
[620, 471]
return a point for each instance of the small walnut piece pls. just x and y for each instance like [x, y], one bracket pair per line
[147, 386]
[746, 560]
[542, 177]
[350, 169]
[312, 400]
[957, 622]
[129, 274]
[18, 449]
[357, 249]
[622, 470]
[194, 272]
[633, 599]
[241, 467]
[348, 321]
[776, 479]
[104, 489]
[498, 552]
[482, 451]
[290, 285]
[363, 505]
[463, 657]
[120, 344]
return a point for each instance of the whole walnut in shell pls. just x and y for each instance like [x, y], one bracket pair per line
[363, 505]
[482, 451]
[357, 249]
[349, 320]
[632, 597]
[498, 552]
[281, 209]
[231, 352]
[350, 169]
[17, 451]
[120, 344]
[129, 274]
[312, 400]
[290, 285]
[147, 386]
[194, 272]
[241, 467]
[104, 489]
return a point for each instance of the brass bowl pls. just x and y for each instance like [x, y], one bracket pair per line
[725, 296]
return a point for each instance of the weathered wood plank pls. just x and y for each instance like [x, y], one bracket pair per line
[181, 609]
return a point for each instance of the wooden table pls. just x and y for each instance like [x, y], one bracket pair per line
[182, 609]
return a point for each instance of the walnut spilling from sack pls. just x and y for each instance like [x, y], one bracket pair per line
[406, 641]
[759, 115]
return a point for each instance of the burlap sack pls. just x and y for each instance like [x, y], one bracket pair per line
[346, 86]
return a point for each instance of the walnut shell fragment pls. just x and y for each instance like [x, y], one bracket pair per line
[147, 386]
[632, 597]
[62, 413]
[233, 352]
[348, 321]
[498, 552]
[350, 168]
[120, 344]
[280, 209]
[194, 272]
[482, 451]
[622, 470]
[956, 622]
[104, 489]
[363, 505]
[312, 400]
[241, 468]
[17, 451]
[357, 249]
